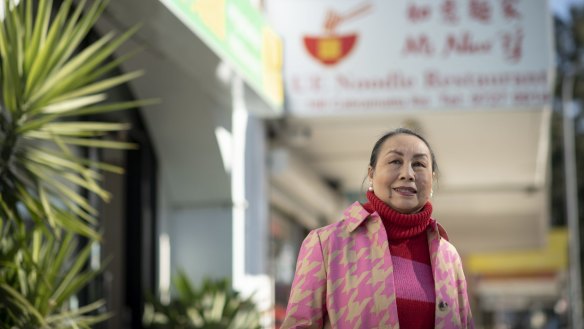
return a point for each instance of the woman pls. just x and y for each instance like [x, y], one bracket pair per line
[387, 263]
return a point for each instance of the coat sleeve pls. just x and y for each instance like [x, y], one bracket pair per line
[306, 306]
[465, 311]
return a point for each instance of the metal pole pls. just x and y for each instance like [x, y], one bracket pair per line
[572, 201]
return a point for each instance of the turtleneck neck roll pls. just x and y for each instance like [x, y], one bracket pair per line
[398, 225]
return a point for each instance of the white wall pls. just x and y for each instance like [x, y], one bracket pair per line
[201, 242]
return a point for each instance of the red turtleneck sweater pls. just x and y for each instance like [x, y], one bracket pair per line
[412, 269]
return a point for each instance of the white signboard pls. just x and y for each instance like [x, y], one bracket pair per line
[356, 56]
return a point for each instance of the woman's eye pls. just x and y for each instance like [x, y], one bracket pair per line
[395, 161]
[419, 164]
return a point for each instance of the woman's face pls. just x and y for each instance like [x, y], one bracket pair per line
[402, 177]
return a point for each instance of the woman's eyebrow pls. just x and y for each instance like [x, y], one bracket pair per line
[420, 155]
[396, 152]
[417, 155]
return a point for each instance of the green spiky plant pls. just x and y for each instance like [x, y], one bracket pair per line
[213, 305]
[48, 83]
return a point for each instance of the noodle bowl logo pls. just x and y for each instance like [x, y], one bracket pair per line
[330, 48]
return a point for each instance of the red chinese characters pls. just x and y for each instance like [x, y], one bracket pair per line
[480, 10]
[418, 45]
[513, 44]
[449, 11]
[418, 13]
[507, 42]
[510, 9]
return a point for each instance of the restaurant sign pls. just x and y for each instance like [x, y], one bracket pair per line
[377, 55]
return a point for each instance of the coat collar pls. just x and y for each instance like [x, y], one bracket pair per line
[355, 215]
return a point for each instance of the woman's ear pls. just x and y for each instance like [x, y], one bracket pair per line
[370, 172]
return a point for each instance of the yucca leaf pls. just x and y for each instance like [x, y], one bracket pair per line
[4, 43]
[37, 123]
[1, 221]
[21, 274]
[40, 65]
[75, 31]
[74, 279]
[31, 259]
[86, 163]
[52, 160]
[111, 107]
[36, 242]
[9, 67]
[99, 143]
[72, 222]
[40, 30]
[99, 86]
[72, 195]
[86, 142]
[22, 303]
[28, 201]
[76, 313]
[47, 208]
[67, 193]
[55, 136]
[64, 250]
[28, 27]
[73, 103]
[101, 53]
[63, 218]
[62, 146]
[15, 35]
[56, 270]
[80, 321]
[83, 64]
[76, 126]
[59, 80]
[69, 77]
[105, 68]
[102, 166]
[7, 211]
[89, 184]
[45, 266]
[57, 55]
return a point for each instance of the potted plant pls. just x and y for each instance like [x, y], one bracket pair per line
[213, 305]
[48, 83]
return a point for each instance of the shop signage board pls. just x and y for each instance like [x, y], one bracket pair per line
[238, 33]
[356, 56]
[550, 258]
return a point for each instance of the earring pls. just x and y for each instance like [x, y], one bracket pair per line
[370, 186]
[431, 193]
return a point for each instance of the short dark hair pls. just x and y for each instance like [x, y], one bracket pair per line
[398, 131]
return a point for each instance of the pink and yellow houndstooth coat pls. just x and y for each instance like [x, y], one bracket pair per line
[344, 278]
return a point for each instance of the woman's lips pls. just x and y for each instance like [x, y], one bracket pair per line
[405, 191]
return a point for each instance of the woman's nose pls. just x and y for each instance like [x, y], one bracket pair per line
[407, 173]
